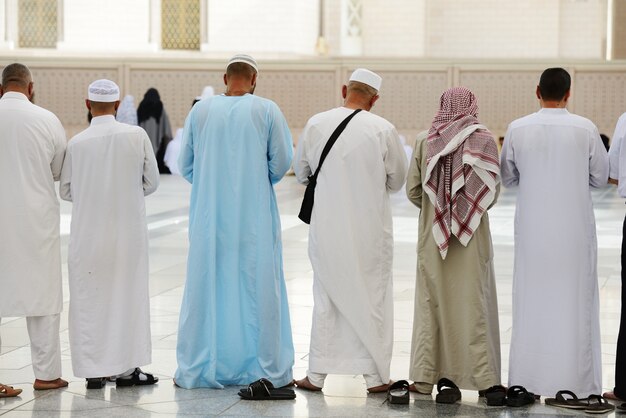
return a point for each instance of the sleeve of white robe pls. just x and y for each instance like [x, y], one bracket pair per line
[616, 144]
[280, 145]
[60, 144]
[185, 159]
[65, 182]
[301, 165]
[621, 179]
[598, 161]
[508, 170]
[395, 161]
[150, 169]
[414, 189]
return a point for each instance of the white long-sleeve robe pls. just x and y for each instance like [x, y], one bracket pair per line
[554, 157]
[351, 240]
[108, 169]
[32, 146]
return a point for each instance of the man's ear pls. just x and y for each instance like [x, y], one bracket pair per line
[31, 89]
[88, 104]
[566, 97]
[538, 93]
[225, 80]
[1, 90]
[253, 79]
[374, 100]
[117, 105]
[344, 91]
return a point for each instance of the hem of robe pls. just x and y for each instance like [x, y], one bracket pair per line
[193, 382]
[463, 381]
[21, 314]
[345, 366]
[110, 370]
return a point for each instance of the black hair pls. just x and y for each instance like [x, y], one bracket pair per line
[554, 84]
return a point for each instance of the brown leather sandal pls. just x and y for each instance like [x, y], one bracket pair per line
[8, 391]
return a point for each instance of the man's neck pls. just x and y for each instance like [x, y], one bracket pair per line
[553, 104]
[351, 104]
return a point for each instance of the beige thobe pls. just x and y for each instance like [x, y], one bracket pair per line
[455, 327]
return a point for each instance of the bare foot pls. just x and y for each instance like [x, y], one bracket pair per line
[413, 388]
[305, 384]
[381, 388]
[610, 395]
[49, 384]
[175, 384]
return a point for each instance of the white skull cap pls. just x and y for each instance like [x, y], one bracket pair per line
[103, 91]
[367, 77]
[246, 59]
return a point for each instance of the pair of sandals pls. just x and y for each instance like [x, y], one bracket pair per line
[447, 392]
[137, 378]
[516, 396]
[264, 390]
[593, 404]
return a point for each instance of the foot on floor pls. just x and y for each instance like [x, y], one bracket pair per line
[49, 384]
[380, 388]
[306, 384]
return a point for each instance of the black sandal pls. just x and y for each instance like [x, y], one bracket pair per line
[518, 396]
[495, 396]
[448, 392]
[96, 382]
[137, 378]
[398, 393]
[264, 390]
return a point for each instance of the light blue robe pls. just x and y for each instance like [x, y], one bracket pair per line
[234, 321]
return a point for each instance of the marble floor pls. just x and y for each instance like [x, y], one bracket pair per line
[343, 395]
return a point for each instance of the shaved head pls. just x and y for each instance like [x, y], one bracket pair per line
[362, 89]
[16, 75]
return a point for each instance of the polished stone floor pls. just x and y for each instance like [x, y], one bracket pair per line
[343, 395]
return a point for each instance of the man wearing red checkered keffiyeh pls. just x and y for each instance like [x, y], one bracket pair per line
[462, 168]
[454, 178]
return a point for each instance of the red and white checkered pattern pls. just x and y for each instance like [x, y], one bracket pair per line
[462, 168]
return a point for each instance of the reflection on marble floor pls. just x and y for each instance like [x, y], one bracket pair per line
[343, 395]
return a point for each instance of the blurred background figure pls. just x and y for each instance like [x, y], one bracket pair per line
[170, 159]
[127, 113]
[152, 117]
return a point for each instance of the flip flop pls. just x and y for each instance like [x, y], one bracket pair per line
[137, 378]
[8, 391]
[518, 396]
[398, 393]
[448, 391]
[621, 407]
[569, 402]
[96, 382]
[495, 395]
[264, 390]
[596, 404]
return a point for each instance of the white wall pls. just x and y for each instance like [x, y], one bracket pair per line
[269, 26]
[93, 26]
[583, 29]
[394, 28]
[440, 29]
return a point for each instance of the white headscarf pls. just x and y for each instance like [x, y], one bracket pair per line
[127, 113]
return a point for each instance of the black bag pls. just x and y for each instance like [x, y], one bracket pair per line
[309, 194]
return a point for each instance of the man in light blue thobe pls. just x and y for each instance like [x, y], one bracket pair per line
[234, 321]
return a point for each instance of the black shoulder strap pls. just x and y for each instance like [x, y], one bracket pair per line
[333, 139]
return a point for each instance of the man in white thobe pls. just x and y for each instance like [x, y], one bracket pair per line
[32, 146]
[617, 176]
[351, 237]
[554, 157]
[108, 169]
